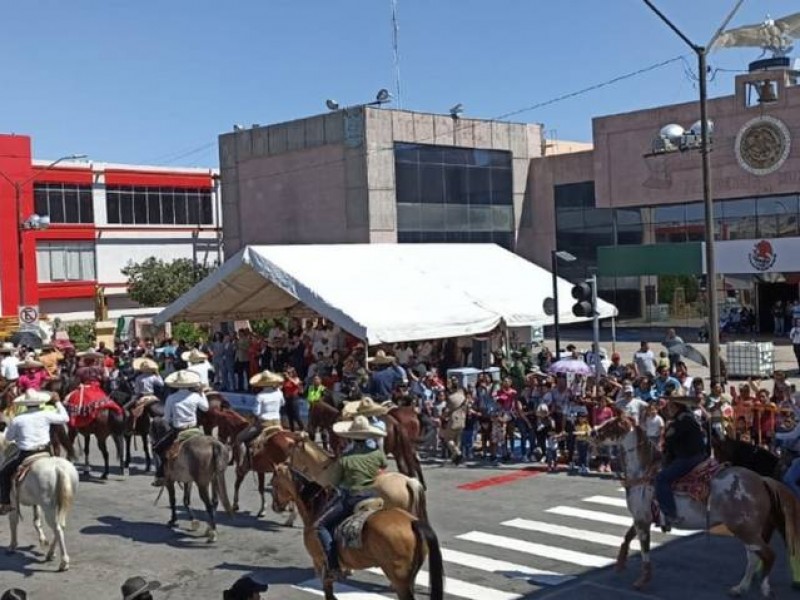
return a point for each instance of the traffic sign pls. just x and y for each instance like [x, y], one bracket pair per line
[28, 318]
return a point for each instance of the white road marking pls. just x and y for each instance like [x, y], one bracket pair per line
[462, 589]
[583, 535]
[343, 591]
[506, 569]
[552, 552]
[604, 517]
[607, 501]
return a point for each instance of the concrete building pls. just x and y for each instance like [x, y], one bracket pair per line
[101, 217]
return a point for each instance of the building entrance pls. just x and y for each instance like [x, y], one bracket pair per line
[768, 295]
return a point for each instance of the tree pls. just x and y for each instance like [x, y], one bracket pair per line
[155, 282]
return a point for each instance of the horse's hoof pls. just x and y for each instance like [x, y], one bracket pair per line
[49, 557]
[43, 542]
[259, 514]
[195, 525]
[235, 508]
[172, 523]
[104, 476]
[211, 534]
[619, 567]
[735, 592]
[64, 566]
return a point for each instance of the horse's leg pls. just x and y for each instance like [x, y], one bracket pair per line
[622, 555]
[13, 522]
[261, 493]
[327, 588]
[123, 468]
[767, 561]
[241, 472]
[171, 494]
[37, 525]
[187, 504]
[86, 468]
[752, 564]
[101, 443]
[211, 530]
[148, 462]
[58, 538]
[643, 532]
[128, 450]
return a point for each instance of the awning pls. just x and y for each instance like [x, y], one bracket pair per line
[382, 293]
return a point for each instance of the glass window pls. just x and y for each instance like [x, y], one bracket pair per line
[574, 195]
[431, 183]
[43, 263]
[126, 208]
[206, 209]
[569, 219]
[87, 263]
[86, 205]
[456, 185]
[502, 187]
[738, 219]
[408, 217]
[432, 217]
[40, 201]
[55, 201]
[139, 208]
[407, 182]
[112, 207]
[456, 218]
[167, 209]
[480, 186]
[777, 216]
[480, 218]
[71, 208]
[180, 207]
[65, 261]
[153, 207]
[502, 218]
[193, 204]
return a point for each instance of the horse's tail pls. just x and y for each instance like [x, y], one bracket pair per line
[64, 494]
[785, 512]
[424, 532]
[219, 463]
[419, 503]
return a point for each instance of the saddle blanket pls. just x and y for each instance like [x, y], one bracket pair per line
[265, 436]
[183, 436]
[697, 483]
[348, 533]
[26, 465]
[84, 404]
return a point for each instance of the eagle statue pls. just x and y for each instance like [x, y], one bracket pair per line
[773, 35]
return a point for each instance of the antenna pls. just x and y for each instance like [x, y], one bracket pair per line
[396, 55]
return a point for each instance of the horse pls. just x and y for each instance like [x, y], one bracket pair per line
[396, 490]
[392, 539]
[201, 460]
[51, 484]
[747, 455]
[750, 506]
[263, 459]
[139, 412]
[321, 417]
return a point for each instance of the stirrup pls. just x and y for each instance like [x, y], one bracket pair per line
[6, 509]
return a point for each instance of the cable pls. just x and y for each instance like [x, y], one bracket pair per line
[190, 153]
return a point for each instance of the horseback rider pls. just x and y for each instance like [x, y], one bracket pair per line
[147, 379]
[180, 413]
[791, 444]
[32, 375]
[267, 409]
[50, 358]
[90, 372]
[198, 362]
[374, 413]
[684, 449]
[30, 432]
[359, 466]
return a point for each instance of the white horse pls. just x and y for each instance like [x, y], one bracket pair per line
[50, 484]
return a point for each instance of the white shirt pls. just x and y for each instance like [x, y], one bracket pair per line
[403, 355]
[31, 429]
[794, 335]
[633, 408]
[202, 369]
[653, 426]
[268, 405]
[8, 368]
[320, 346]
[645, 362]
[146, 383]
[181, 408]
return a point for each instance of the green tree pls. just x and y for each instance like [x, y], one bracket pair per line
[190, 332]
[81, 334]
[155, 282]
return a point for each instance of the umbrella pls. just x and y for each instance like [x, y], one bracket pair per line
[571, 365]
[26, 338]
[687, 351]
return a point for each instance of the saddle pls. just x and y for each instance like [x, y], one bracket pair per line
[267, 433]
[141, 404]
[183, 436]
[25, 467]
[697, 483]
[348, 533]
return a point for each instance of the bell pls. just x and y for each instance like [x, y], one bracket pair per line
[766, 92]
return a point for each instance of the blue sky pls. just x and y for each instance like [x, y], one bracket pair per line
[149, 81]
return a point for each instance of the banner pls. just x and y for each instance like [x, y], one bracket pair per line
[758, 256]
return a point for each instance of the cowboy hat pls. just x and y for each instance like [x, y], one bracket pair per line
[145, 365]
[266, 379]
[366, 407]
[32, 397]
[183, 379]
[244, 587]
[136, 587]
[381, 358]
[7, 348]
[193, 356]
[357, 429]
[91, 354]
[29, 363]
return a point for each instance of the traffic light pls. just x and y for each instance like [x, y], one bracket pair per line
[584, 307]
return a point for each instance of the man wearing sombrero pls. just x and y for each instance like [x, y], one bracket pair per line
[684, 449]
[198, 362]
[367, 407]
[50, 358]
[385, 376]
[30, 432]
[180, 413]
[147, 379]
[360, 465]
[32, 375]
[267, 409]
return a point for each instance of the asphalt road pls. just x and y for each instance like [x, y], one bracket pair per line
[534, 536]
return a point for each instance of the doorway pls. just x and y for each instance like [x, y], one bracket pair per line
[768, 295]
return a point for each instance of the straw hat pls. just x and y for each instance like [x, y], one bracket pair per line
[7, 348]
[194, 356]
[29, 363]
[137, 587]
[145, 365]
[266, 379]
[357, 429]
[32, 398]
[366, 407]
[183, 379]
[381, 358]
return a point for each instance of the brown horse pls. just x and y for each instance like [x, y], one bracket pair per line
[392, 539]
[201, 460]
[263, 459]
[321, 417]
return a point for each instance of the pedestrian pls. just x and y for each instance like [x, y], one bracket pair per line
[653, 425]
[292, 390]
[245, 588]
[454, 420]
[582, 434]
[645, 360]
[138, 588]
[468, 434]
[778, 316]
[794, 336]
[198, 362]
[551, 450]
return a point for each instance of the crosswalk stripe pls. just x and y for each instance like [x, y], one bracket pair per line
[461, 589]
[506, 569]
[569, 532]
[604, 517]
[552, 552]
[343, 591]
[606, 500]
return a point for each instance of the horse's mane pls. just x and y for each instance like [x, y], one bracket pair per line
[313, 495]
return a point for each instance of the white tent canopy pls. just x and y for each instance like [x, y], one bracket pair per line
[381, 293]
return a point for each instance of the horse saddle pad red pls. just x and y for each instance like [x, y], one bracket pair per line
[26, 465]
[697, 483]
[348, 533]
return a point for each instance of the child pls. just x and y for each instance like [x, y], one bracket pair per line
[653, 425]
[582, 432]
[551, 451]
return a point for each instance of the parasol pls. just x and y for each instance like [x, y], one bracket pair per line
[571, 365]
[687, 351]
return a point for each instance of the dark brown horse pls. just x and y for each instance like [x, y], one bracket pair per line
[321, 417]
[263, 458]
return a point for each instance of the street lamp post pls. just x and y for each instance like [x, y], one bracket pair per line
[24, 224]
[711, 268]
[566, 257]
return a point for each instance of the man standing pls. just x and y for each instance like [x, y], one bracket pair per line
[8, 365]
[629, 405]
[455, 418]
[673, 343]
[645, 361]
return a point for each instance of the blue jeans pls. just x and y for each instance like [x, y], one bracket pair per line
[792, 477]
[467, 442]
[526, 437]
[583, 453]
[339, 508]
[669, 475]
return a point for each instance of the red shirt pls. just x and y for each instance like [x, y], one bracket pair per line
[291, 388]
[507, 399]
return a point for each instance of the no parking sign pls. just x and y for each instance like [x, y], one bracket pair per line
[28, 318]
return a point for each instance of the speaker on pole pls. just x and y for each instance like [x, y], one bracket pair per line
[481, 358]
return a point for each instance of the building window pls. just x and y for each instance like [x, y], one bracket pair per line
[65, 261]
[447, 194]
[64, 202]
[128, 205]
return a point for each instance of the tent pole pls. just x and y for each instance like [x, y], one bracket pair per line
[613, 334]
